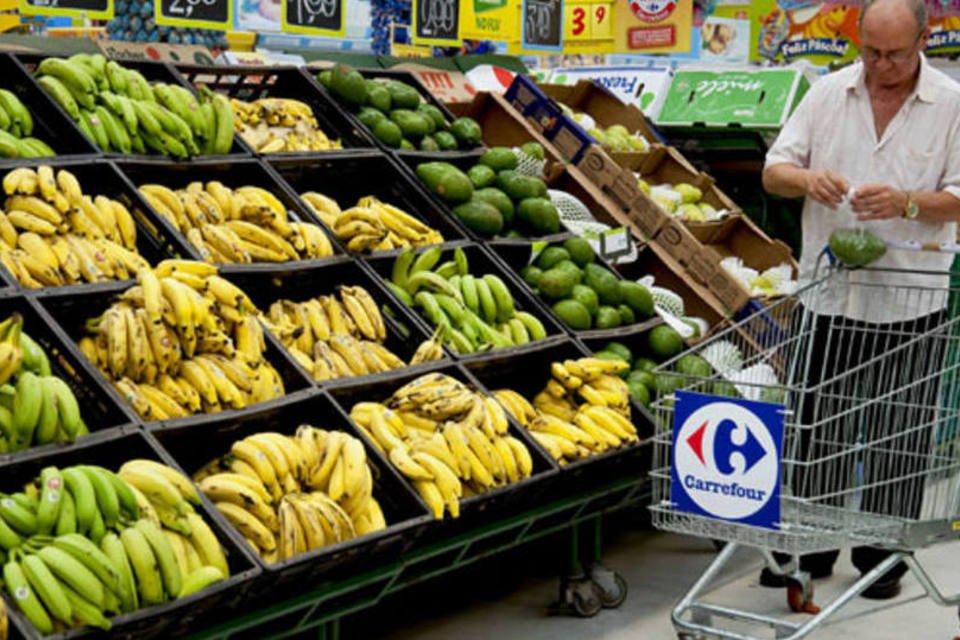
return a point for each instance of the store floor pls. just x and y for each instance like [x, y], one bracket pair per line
[507, 598]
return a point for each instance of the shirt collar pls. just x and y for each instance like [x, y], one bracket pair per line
[923, 92]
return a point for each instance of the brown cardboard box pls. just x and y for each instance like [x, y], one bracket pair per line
[447, 86]
[156, 52]
[502, 126]
[605, 108]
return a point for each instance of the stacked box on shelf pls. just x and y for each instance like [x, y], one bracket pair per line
[100, 409]
[502, 126]
[479, 263]
[346, 178]
[154, 242]
[72, 310]
[528, 375]
[474, 509]
[50, 124]
[248, 84]
[177, 617]
[233, 174]
[299, 283]
[194, 447]
[153, 72]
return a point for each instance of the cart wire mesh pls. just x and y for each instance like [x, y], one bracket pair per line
[871, 448]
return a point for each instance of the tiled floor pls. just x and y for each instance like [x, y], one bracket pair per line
[507, 599]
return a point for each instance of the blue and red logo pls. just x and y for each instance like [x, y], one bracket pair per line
[726, 458]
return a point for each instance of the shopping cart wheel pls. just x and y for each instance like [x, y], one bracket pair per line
[612, 586]
[579, 595]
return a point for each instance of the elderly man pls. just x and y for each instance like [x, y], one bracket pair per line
[875, 145]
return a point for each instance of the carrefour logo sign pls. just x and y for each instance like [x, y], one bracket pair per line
[726, 458]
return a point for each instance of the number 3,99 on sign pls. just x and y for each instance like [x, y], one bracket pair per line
[584, 21]
[199, 14]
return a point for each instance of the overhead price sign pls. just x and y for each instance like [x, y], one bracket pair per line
[588, 27]
[542, 25]
[92, 9]
[436, 23]
[314, 17]
[490, 20]
[195, 14]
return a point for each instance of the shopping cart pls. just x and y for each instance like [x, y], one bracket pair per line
[870, 449]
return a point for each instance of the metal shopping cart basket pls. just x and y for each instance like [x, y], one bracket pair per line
[817, 428]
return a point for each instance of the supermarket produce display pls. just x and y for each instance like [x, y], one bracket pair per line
[349, 337]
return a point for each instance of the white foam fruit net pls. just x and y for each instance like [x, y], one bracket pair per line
[575, 216]
[528, 165]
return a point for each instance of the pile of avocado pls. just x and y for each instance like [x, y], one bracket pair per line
[659, 345]
[492, 197]
[393, 112]
[585, 294]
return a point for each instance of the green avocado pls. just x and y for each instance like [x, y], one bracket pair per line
[627, 317]
[580, 251]
[607, 318]
[325, 77]
[432, 112]
[519, 186]
[498, 199]
[370, 117]
[378, 97]
[445, 140]
[347, 84]
[603, 282]
[413, 125]
[539, 216]
[480, 216]
[446, 181]
[481, 176]
[551, 257]
[587, 297]
[387, 132]
[403, 96]
[427, 143]
[534, 150]
[573, 314]
[637, 297]
[406, 145]
[575, 272]
[621, 349]
[531, 274]
[466, 131]
[499, 159]
[556, 284]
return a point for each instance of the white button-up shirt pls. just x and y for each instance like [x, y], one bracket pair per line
[833, 128]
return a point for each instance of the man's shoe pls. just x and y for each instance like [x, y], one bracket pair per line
[770, 579]
[883, 590]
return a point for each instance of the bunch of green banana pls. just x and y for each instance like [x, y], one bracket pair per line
[372, 225]
[333, 338]
[183, 341]
[476, 313]
[36, 408]
[16, 130]
[291, 494]
[84, 542]
[448, 439]
[120, 111]
[583, 410]
[51, 234]
[242, 225]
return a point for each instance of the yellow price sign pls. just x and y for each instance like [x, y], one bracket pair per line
[92, 9]
[588, 27]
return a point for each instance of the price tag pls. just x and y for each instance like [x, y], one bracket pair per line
[313, 17]
[615, 243]
[436, 22]
[541, 28]
[92, 9]
[194, 14]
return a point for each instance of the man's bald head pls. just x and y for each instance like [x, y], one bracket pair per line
[893, 9]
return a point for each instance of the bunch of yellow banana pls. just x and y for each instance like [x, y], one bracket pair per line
[372, 225]
[333, 338]
[51, 234]
[288, 495]
[583, 410]
[242, 225]
[183, 341]
[448, 439]
[273, 125]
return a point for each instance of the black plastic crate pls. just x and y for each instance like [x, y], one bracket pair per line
[101, 411]
[463, 161]
[475, 510]
[175, 618]
[70, 310]
[194, 446]
[528, 373]
[101, 178]
[233, 173]
[480, 263]
[348, 177]
[252, 83]
[299, 282]
[153, 72]
[50, 123]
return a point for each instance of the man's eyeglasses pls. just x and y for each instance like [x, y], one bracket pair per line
[900, 56]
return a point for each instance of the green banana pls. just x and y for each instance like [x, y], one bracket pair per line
[19, 114]
[431, 308]
[67, 516]
[26, 406]
[47, 588]
[122, 109]
[47, 423]
[23, 594]
[141, 87]
[427, 259]
[518, 331]
[114, 550]
[447, 270]
[144, 563]
[35, 148]
[6, 420]
[166, 559]
[67, 407]
[468, 288]
[117, 77]
[459, 341]
[5, 120]
[115, 130]
[223, 142]
[505, 305]
[108, 502]
[165, 143]
[93, 559]
[433, 282]
[34, 357]
[96, 127]
[84, 498]
[97, 529]
[136, 141]
[86, 612]
[27, 502]
[460, 257]
[9, 145]
[51, 497]
[534, 327]
[173, 125]
[73, 573]
[488, 307]
[200, 578]
[180, 102]
[400, 273]
[210, 128]
[145, 119]
[452, 308]
[74, 77]
[21, 519]
[9, 539]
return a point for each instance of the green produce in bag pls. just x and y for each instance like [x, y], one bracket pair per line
[856, 247]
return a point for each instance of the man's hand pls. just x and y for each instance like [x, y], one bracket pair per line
[879, 202]
[826, 187]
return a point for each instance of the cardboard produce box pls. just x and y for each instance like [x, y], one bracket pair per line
[502, 126]
[448, 86]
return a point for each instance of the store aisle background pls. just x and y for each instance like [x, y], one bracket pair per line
[506, 598]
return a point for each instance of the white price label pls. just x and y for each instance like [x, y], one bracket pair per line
[614, 243]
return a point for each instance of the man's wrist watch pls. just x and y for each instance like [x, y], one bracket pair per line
[911, 210]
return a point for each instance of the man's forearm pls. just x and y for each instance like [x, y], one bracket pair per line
[786, 180]
[937, 206]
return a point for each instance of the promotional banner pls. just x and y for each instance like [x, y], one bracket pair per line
[653, 26]
[944, 32]
[490, 20]
[791, 29]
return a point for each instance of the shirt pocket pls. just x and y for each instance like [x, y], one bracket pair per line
[919, 168]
